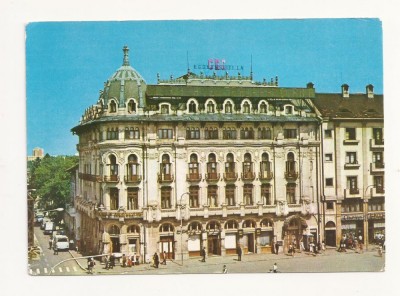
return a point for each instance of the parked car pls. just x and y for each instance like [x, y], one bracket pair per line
[39, 217]
[49, 227]
[61, 242]
[44, 221]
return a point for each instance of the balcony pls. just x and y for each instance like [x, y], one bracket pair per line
[291, 175]
[165, 178]
[248, 176]
[212, 177]
[132, 178]
[193, 177]
[265, 176]
[375, 144]
[116, 214]
[111, 178]
[88, 177]
[351, 142]
[377, 167]
[230, 176]
[351, 192]
[351, 166]
[378, 191]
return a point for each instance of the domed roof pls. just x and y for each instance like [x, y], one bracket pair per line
[125, 83]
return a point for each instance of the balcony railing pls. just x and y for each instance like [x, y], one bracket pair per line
[292, 175]
[111, 178]
[165, 178]
[230, 176]
[352, 165]
[351, 142]
[193, 177]
[376, 144]
[212, 177]
[377, 167]
[351, 192]
[266, 175]
[248, 176]
[132, 178]
[88, 177]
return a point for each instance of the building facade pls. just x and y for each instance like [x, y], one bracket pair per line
[353, 197]
[219, 162]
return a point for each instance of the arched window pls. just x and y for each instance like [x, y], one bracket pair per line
[264, 133]
[246, 107]
[213, 226]
[113, 168]
[265, 167]
[192, 107]
[131, 106]
[231, 224]
[211, 133]
[247, 133]
[133, 229]
[132, 133]
[289, 110]
[228, 108]
[193, 165]
[165, 167]
[263, 108]
[229, 133]
[166, 227]
[132, 168]
[266, 223]
[212, 167]
[230, 163]
[112, 133]
[113, 230]
[210, 107]
[113, 106]
[164, 109]
[192, 133]
[194, 226]
[247, 167]
[249, 224]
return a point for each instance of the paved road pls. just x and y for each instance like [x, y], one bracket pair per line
[48, 259]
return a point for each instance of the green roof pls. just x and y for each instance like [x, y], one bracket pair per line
[162, 91]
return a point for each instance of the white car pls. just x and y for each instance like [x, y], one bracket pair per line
[61, 242]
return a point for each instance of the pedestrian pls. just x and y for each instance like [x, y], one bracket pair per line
[323, 246]
[275, 268]
[276, 247]
[107, 262]
[55, 248]
[164, 257]
[380, 251]
[91, 265]
[302, 246]
[112, 261]
[156, 260]
[123, 260]
[224, 269]
[360, 244]
[50, 243]
[133, 259]
[203, 254]
[239, 253]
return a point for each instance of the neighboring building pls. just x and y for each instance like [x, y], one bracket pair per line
[202, 161]
[353, 196]
[71, 216]
[37, 153]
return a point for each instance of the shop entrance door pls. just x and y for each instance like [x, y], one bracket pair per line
[330, 238]
[167, 245]
[115, 244]
[214, 246]
[250, 243]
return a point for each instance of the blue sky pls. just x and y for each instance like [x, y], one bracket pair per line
[68, 62]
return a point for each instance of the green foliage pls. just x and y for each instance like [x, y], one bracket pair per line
[51, 180]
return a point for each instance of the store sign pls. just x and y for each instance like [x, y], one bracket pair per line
[352, 217]
[217, 64]
[376, 216]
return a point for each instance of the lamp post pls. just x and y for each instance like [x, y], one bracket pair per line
[181, 207]
[366, 215]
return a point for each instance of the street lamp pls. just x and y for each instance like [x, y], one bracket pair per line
[181, 207]
[365, 213]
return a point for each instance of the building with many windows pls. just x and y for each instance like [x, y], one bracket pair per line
[210, 161]
[353, 194]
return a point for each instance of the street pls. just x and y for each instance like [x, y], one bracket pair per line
[329, 261]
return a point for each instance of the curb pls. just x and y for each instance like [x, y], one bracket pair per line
[76, 260]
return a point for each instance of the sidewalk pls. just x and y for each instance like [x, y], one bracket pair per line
[175, 266]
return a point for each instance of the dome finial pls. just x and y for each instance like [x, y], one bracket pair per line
[126, 56]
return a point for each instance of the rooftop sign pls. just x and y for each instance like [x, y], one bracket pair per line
[217, 64]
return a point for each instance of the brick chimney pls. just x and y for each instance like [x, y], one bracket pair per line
[370, 91]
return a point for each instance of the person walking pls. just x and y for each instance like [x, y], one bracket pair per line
[50, 243]
[107, 262]
[239, 253]
[156, 260]
[203, 254]
[302, 246]
[224, 269]
[55, 248]
[276, 247]
[164, 258]
[112, 261]
[275, 268]
[90, 264]
[123, 260]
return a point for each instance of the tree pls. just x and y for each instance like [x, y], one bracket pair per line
[52, 181]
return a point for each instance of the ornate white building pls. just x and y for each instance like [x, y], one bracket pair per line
[198, 161]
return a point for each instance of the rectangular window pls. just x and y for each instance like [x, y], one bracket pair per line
[352, 185]
[266, 194]
[164, 109]
[166, 197]
[351, 157]
[132, 133]
[211, 133]
[165, 133]
[229, 134]
[248, 194]
[328, 157]
[329, 182]
[194, 196]
[212, 195]
[290, 133]
[291, 193]
[230, 195]
[133, 198]
[378, 184]
[114, 198]
[378, 135]
[329, 205]
[193, 133]
[328, 133]
[264, 133]
[350, 134]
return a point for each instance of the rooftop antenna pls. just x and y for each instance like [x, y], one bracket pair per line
[251, 67]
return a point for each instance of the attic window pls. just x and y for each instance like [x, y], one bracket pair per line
[164, 109]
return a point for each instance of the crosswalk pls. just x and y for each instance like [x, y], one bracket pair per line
[46, 271]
